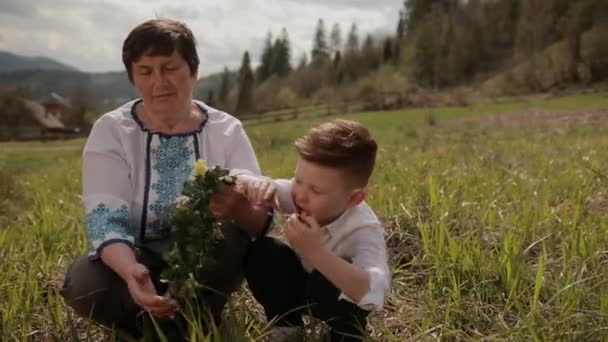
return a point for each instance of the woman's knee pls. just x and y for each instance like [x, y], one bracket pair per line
[92, 289]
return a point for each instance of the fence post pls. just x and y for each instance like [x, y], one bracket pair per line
[294, 113]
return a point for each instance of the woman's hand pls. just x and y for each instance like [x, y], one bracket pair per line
[144, 294]
[226, 203]
[232, 206]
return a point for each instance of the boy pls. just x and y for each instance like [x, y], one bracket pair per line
[336, 265]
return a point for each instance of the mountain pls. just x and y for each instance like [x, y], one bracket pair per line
[105, 90]
[10, 63]
[37, 77]
[212, 82]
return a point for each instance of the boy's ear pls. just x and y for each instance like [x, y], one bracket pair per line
[357, 197]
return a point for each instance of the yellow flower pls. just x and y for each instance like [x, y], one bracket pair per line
[200, 167]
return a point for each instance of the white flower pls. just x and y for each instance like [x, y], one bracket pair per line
[182, 202]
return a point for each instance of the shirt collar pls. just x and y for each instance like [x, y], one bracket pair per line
[336, 225]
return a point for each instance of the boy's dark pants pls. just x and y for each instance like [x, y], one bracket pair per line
[94, 291]
[286, 291]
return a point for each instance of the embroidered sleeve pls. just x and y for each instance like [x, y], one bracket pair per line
[105, 225]
[107, 189]
[241, 155]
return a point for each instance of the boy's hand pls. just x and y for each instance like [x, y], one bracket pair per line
[304, 234]
[260, 191]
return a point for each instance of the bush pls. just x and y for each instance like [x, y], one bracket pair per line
[264, 94]
[384, 80]
[285, 98]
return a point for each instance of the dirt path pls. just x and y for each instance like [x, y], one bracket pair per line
[53, 148]
[557, 118]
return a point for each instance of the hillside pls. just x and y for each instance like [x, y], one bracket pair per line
[10, 62]
[107, 89]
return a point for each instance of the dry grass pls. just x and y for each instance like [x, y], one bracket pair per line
[497, 226]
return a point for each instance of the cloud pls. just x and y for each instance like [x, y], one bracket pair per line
[88, 34]
[361, 4]
[17, 8]
[183, 12]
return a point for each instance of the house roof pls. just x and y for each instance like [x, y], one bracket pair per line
[47, 120]
[56, 98]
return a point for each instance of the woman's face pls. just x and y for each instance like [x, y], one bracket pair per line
[165, 83]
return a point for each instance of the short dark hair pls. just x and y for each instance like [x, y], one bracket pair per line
[160, 37]
[342, 144]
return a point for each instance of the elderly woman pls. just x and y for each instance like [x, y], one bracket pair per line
[135, 162]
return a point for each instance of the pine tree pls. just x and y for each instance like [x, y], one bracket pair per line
[400, 25]
[577, 20]
[337, 60]
[352, 43]
[224, 86]
[387, 54]
[320, 49]
[427, 52]
[369, 53]
[264, 71]
[245, 98]
[416, 11]
[210, 98]
[353, 65]
[335, 39]
[535, 32]
[396, 53]
[281, 65]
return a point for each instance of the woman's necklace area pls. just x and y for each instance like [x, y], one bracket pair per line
[174, 124]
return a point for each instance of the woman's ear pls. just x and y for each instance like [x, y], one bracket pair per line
[357, 196]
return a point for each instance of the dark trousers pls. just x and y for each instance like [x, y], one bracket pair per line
[286, 291]
[94, 291]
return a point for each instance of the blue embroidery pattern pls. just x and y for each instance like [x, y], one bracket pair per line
[102, 222]
[172, 160]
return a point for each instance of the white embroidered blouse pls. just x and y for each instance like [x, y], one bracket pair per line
[132, 176]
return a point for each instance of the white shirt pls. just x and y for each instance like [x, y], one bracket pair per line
[357, 236]
[132, 176]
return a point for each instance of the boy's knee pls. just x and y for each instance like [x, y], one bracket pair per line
[326, 298]
[258, 248]
[264, 252]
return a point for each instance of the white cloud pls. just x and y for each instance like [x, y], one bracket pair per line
[88, 34]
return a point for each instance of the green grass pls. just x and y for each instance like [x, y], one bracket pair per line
[495, 231]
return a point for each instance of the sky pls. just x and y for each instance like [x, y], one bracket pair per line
[88, 34]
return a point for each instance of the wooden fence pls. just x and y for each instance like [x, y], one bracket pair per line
[302, 112]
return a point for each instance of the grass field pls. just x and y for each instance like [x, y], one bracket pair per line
[496, 219]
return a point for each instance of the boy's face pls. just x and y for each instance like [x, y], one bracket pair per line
[323, 192]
